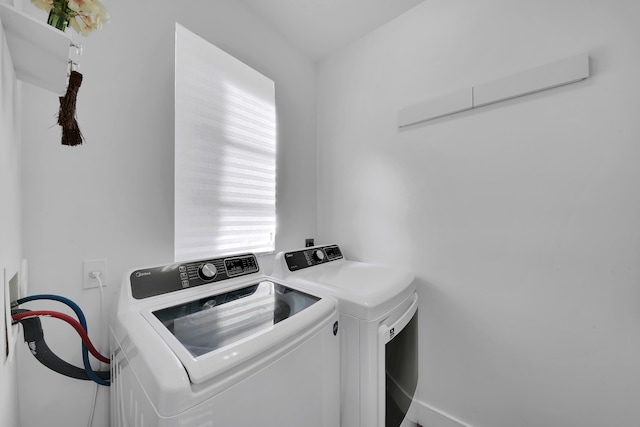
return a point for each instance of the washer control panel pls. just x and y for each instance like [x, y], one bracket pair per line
[154, 281]
[305, 258]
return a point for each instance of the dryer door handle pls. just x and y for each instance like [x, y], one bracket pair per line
[388, 332]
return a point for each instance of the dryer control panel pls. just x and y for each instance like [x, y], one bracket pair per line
[312, 256]
[154, 281]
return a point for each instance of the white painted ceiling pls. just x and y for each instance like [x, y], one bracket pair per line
[320, 27]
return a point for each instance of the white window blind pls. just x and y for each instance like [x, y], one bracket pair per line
[225, 153]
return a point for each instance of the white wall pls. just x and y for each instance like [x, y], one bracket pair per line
[521, 220]
[113, 197]
[10, 223]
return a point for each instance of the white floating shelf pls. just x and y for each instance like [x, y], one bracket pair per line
[452, 103]
[559, 73]
[40, 53]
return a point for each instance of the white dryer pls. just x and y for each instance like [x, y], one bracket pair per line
[216, 343]
[379, 332]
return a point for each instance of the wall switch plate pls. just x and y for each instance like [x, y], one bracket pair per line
[90, 266]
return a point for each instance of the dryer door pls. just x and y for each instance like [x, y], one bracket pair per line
[399, 351]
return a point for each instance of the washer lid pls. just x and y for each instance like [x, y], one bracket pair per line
[212, 333]
[365, 291]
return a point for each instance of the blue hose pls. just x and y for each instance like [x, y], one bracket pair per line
[83, 321]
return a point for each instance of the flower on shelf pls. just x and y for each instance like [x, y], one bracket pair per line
[83, 16]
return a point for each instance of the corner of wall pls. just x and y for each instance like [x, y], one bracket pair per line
[10, 228]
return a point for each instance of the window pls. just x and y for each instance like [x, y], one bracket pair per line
[225, 153]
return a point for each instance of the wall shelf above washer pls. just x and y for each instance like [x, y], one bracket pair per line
[544, 77]
[40, 52]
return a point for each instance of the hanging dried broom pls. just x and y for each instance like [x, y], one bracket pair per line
[71, 134]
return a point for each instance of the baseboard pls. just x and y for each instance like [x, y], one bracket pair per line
[428, 416]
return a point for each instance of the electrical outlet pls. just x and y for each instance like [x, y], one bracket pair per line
[91, 266]
[308, 243]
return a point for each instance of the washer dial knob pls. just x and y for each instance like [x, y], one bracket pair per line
[318, 255]
[207, 271]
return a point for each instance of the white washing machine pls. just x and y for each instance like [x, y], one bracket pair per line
[216, 343]
[379, 332]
